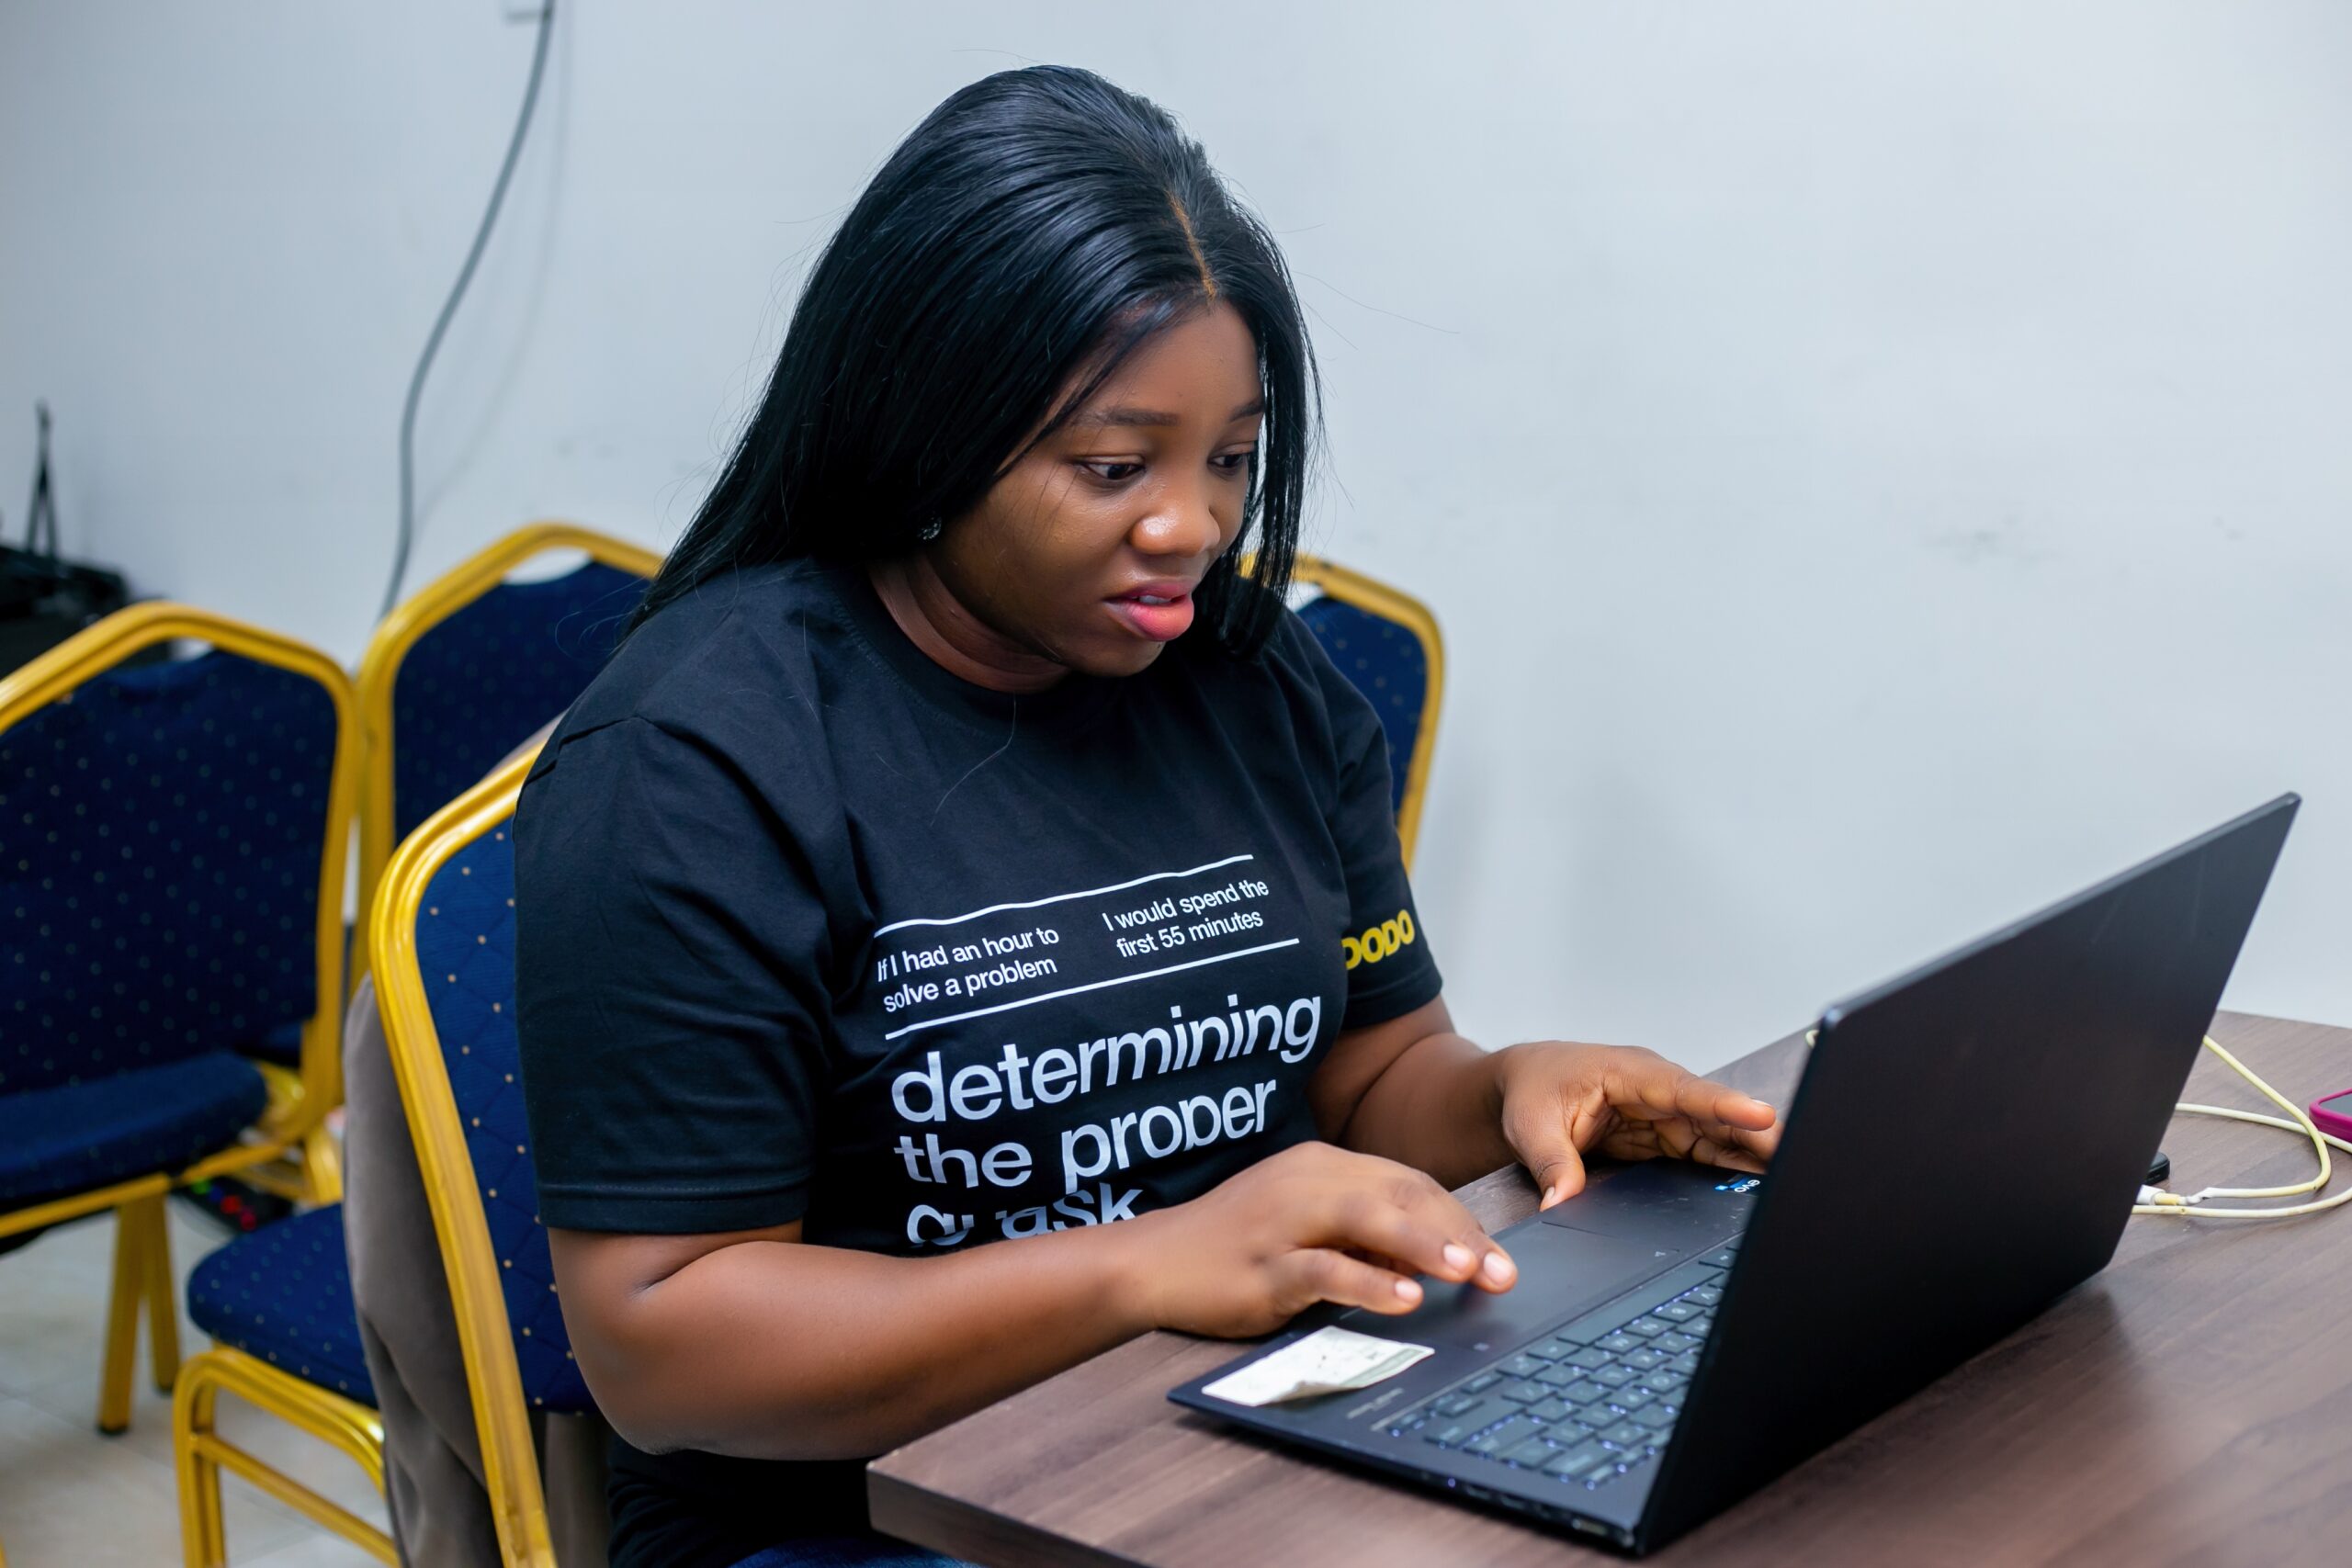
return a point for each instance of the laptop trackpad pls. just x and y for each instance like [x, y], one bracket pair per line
[1663, 1203]
[1561, 1273]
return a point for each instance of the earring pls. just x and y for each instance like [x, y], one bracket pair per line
[930, 531]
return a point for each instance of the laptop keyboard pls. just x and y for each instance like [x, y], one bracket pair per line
[1594, 1401]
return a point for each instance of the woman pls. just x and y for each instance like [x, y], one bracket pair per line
[956, 859]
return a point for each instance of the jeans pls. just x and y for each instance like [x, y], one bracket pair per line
[848, 1551]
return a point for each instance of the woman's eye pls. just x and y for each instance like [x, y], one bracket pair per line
[1235, 462]
[1111, 472]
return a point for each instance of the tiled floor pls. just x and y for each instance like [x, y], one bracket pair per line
[69, 1498]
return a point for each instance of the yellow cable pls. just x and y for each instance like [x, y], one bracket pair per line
[2319, 1143]
[2191, 1204]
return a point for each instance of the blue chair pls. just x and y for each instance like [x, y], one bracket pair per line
[1386, 642]
[283, 1294]
[285, 1340]
[442, 935]
[473, 664]
[173, 837]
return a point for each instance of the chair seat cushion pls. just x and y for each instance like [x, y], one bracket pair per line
[284, 1295]
[282, 1045]
[75, 1137]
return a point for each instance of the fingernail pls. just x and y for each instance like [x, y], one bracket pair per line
[1550, 1196]
[1408, 1290]
[1458, 1256]
[1501, 1270]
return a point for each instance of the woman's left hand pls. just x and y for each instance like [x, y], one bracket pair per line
[1562, 1101]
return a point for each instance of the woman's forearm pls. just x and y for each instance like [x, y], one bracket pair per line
[773, 1349]
[1438, 1107]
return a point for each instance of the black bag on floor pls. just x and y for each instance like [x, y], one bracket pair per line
[44, 599]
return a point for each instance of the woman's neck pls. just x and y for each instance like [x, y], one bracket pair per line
[950, 635]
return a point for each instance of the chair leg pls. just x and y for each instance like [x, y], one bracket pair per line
[163, 1304]
[122, 1321]
[204, 1543]
[200, 1455]
[321, 1167]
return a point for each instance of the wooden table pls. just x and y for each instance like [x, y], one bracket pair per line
[2190, 1404]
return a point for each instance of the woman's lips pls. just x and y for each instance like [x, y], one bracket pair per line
[1160, 618]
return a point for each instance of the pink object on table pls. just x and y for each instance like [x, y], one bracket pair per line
[2333, 1113]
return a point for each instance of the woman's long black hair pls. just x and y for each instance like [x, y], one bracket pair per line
[1028, 236]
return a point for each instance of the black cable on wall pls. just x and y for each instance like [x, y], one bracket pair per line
[407, 534]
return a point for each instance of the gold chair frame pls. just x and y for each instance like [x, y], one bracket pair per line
[1378, 598]
[200, 1453]
[379, 666]
[501, 1421]
[289, 1151]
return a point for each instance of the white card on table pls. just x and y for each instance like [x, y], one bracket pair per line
[1329, 1361]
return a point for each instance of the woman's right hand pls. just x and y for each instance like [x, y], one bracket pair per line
[1312, 1223]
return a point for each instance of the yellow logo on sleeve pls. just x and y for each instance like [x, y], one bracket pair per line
[1377, 943]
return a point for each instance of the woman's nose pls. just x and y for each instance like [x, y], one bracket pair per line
[1182, 524]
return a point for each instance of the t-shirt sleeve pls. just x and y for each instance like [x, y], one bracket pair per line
[669, 964]
[1390, 968]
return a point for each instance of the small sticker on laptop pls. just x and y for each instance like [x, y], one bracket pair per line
[1330, 1360]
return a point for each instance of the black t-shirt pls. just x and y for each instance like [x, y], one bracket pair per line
[810, 928]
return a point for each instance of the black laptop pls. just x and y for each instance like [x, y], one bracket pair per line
[1964, 1149]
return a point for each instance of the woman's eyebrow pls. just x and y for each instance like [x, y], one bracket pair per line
[1097, 419]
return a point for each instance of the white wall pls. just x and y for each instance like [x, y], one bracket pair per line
[1879, 467]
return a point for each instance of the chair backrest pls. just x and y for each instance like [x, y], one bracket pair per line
[1386, 642]
[463, 671]
[442, 935]
[173, 840]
